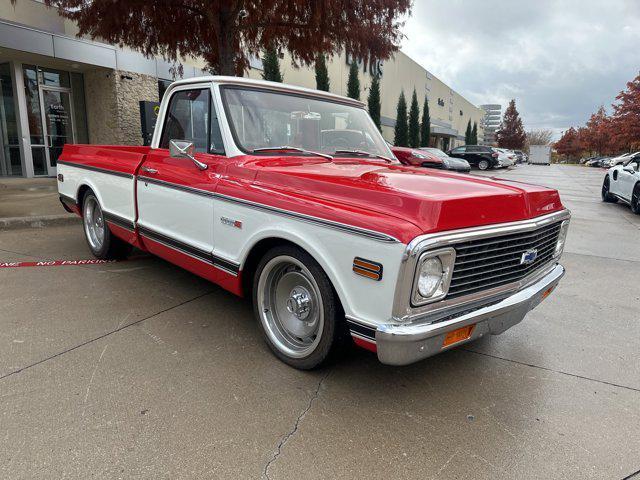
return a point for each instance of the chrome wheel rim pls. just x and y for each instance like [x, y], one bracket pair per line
[483, 165]
[290, 306]
[94, 226]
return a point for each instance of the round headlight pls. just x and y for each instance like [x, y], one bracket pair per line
[430, 277]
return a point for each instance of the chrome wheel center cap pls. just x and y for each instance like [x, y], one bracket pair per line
[299, 303]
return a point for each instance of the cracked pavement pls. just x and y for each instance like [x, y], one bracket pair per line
[138, 369]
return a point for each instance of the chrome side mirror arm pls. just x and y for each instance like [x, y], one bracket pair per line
[184, 149]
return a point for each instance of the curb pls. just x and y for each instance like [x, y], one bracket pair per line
[37, 221]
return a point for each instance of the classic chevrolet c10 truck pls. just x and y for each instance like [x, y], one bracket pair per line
[291, 196]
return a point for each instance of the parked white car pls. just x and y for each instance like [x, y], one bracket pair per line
[506, 157]
[619, 160]
[622, 182]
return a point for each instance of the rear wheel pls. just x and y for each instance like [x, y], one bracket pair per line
[298, 309]
[635, 199]
[101, 241]
[483, 165]
[606, 194]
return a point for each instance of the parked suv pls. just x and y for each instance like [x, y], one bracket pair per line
[481, 156]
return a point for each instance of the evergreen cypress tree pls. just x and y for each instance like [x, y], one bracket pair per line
[425, 126]
[373, 101]
[322, 75]
[401, 131]
[271, 65]
[467, 134]
[353, 84]
[414, 121]
[474, 134]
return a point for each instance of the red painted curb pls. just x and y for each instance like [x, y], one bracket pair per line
[54, 263]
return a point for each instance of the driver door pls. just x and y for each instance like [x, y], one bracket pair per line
[175, 196]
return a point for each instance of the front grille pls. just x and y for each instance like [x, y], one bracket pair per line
[491, 262]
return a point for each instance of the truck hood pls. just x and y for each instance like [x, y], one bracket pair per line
[430, 199]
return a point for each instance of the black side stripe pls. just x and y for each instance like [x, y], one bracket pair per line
[95, 169]
[118, 220]
[278, 211]
[195, 252]
[175, 186]
[362, 330]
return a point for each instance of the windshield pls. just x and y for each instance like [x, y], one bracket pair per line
[436, 151]
[261, 119]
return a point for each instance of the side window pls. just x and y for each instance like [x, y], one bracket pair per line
[473, 148]
[188, 118]
[215, 136]
[458, 150]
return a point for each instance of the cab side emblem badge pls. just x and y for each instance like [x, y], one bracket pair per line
[529, 257]
[231, 222]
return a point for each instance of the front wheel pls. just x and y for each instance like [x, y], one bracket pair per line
[99, 238]
[635, 199]
[483, 165]
[606, 194]
[298, 309]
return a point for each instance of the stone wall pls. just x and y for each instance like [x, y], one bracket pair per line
[113, 112]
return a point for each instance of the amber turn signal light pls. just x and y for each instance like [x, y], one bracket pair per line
[367, 268]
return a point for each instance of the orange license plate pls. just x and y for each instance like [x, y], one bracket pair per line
[458, 335]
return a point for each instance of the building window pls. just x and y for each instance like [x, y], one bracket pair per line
[10, 162]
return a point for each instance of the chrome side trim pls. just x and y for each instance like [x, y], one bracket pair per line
[118, 220]
[363, 232]
[95, 169]
[176, 186]
[193, 252]
[278, 211]
[402, 310]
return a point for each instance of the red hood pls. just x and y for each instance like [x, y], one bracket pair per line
[431, 200]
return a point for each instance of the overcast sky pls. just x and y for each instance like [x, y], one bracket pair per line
[559, 59]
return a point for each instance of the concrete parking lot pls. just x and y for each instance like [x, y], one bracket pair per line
[138, 369]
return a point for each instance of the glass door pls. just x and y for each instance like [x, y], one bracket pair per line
[57, 118]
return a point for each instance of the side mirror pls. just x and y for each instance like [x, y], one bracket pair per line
[185, 149]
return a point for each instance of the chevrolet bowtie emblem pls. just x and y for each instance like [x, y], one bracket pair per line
[529, 257]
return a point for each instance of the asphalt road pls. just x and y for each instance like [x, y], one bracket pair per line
[140, 370]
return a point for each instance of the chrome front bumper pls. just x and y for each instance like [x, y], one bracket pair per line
[399, 344]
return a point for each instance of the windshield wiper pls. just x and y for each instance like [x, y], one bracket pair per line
[293, 149]
[364, 153]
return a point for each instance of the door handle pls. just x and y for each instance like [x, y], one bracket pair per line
[149, 170]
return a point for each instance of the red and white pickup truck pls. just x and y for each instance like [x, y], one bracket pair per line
[292, 196]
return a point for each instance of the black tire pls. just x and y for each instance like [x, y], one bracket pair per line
[484, 165]
[267, 304]
[635, 199]
[606, 196]
[110, 247]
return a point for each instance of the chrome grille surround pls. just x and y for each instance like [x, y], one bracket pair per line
[479, 237]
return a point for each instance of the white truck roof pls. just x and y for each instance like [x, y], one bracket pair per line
[248, 82]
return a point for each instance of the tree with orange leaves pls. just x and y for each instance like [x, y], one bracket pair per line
[626, 116]
[570, 144]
